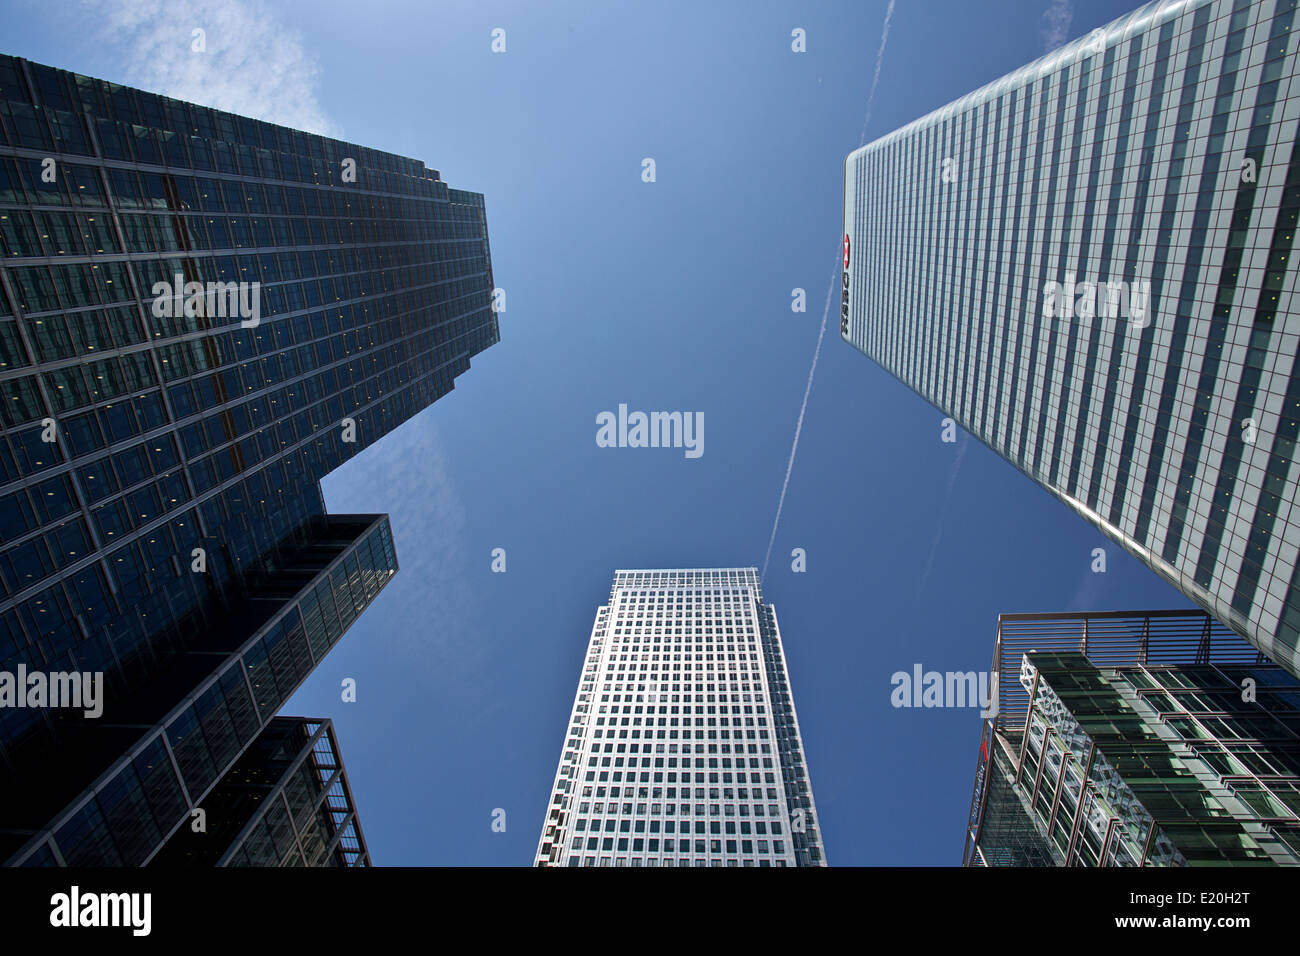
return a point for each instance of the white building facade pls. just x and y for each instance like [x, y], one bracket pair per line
[1087, 265]
[683, 746]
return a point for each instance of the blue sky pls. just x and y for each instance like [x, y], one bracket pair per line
[671, 295]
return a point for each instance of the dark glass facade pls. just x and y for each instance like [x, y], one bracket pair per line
[109, 792]
[285, 803]
[1136, 739]
[160, 467]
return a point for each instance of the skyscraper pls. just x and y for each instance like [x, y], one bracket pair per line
[1087, 265]
[200, 316]
[683, 748]
[111, 791]
[286, 802]
[1154, 738]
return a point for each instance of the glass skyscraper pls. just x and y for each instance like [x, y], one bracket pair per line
[286, 802]
[683, 748]
[1135, 739]
[1087, 264]
[200, 316]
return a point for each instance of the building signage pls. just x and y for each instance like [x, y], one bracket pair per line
[844, 292]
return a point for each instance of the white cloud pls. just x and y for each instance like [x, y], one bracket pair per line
[254, 64]
[1056, 24]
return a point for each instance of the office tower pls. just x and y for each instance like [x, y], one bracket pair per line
[200, 316]
[1140, 738]
[683, 748]
[1087, 265]
[111, 791]
[286, 802]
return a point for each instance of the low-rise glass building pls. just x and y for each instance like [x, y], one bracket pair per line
[1135, 739]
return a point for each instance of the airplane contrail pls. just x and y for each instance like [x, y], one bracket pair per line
[799, 426]
[821, 334]
[880, 58]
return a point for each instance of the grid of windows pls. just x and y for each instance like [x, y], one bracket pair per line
[141, 797]
[1136, 739]
[159, 466]
[286, 802]
[172, 433]
[1149, 171]
[683, 746]
[1161, 766]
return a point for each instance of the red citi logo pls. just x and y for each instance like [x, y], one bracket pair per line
[844, 291]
